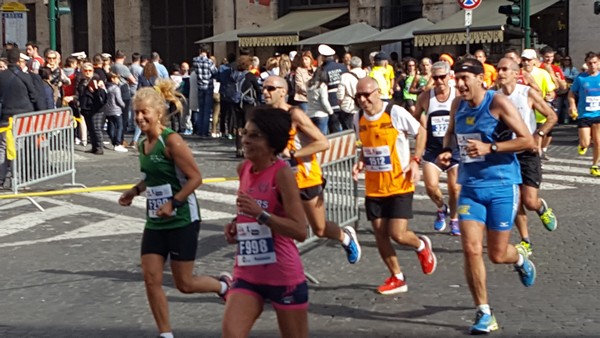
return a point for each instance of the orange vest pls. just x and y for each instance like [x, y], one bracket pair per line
[384, 175]
[307, 169]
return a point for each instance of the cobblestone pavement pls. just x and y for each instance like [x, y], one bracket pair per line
[73, 270]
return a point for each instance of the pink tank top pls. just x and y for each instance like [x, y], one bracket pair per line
[264, 256]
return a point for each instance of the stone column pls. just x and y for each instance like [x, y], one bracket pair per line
[94, 27]
[132, 27]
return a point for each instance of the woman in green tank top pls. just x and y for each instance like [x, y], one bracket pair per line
[169, 176]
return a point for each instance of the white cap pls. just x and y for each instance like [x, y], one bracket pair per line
[529, 54]
[326, 50]
[79, 55]
[106, 55]
[24, 57]
[293, 55]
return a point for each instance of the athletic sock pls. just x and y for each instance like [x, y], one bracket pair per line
[421, 247]
[400, 276]
[485, 308]
[542, 209]
[520, 261]
[224, 288]
[166, 335]
[346, 240]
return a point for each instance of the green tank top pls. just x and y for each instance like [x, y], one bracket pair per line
[163, 180]
[405, 92]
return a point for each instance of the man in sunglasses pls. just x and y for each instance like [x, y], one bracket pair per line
[391, 174]
[526, 101]
[489, 130]
[433, 108]
[306, 141]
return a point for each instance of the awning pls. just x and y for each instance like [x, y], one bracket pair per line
[344, 36]
[288, 29]
[398, 33]
[228, 36]
[488, 25]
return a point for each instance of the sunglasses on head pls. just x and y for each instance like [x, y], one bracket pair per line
[439, 77]
[271, 88]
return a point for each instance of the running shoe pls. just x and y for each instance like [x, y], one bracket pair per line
[484, 323]
[581, 150]
[526, 272]
[548, 218]
[594, 171]
[440, 221]
[226, 278]
[427, 257]
[525, 248]
[392, 285]
[353, 250]
[454, 228]
[544, 157]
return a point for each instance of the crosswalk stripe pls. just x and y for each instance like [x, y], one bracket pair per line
[559, 174]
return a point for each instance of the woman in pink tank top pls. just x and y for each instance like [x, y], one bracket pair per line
[269, 219]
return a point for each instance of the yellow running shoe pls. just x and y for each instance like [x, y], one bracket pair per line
[595, 171]
[524, 248]
[581, 150]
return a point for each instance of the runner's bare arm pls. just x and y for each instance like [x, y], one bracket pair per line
[507, 112]
[304, 124]
[178, 150]
[540, 105]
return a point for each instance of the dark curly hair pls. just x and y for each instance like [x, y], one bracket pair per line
[275, 124]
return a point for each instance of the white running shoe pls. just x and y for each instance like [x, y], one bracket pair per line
[119, 148]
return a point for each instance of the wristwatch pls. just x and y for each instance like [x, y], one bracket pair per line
[541, 133]
[176, 204]
[494, 148]
[263, 217]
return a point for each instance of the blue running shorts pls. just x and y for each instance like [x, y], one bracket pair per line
[496, 207]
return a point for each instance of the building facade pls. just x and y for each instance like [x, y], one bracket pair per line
[172, 27]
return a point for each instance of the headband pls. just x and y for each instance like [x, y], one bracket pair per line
[475, 69]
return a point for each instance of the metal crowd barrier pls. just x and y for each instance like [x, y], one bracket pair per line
[341, 191]
[44, 144]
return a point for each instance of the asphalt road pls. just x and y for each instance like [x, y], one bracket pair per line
[73, 270]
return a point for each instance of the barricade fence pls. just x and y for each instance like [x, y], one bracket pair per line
[45, 148]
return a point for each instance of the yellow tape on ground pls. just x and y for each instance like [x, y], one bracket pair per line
[101, 188]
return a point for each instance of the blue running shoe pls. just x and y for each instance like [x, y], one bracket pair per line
[353, 250]
[440, 221]
[484, 323]
[526, 272]
[454, 228]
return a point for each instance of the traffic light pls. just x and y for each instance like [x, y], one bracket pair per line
[513, 13]
[62, 8]
[597, 7]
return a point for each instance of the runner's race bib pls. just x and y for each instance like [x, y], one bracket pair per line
[377, 159]
[439, 125]
[157, 196]
[592, 103]
[255, 244]
[463, 143]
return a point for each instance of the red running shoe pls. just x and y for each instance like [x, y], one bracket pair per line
[391, 286]
[427, 257]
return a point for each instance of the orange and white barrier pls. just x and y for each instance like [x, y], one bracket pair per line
[44, 148]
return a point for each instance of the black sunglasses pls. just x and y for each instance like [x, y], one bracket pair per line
[439, 77]
[271, 88]
[357, 96]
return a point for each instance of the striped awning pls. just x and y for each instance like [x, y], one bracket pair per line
[488, 25]
[290, 28]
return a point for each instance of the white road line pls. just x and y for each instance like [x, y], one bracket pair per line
[573, 179]
[565, 168]
[207, 215]
[12, 225]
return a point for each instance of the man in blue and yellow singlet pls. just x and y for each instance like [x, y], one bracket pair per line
[482, 124]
